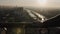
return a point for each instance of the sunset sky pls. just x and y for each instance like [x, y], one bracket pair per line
[33, 3]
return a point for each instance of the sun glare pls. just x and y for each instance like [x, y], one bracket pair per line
[42, 3]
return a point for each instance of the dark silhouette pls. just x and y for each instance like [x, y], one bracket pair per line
[54, 22]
